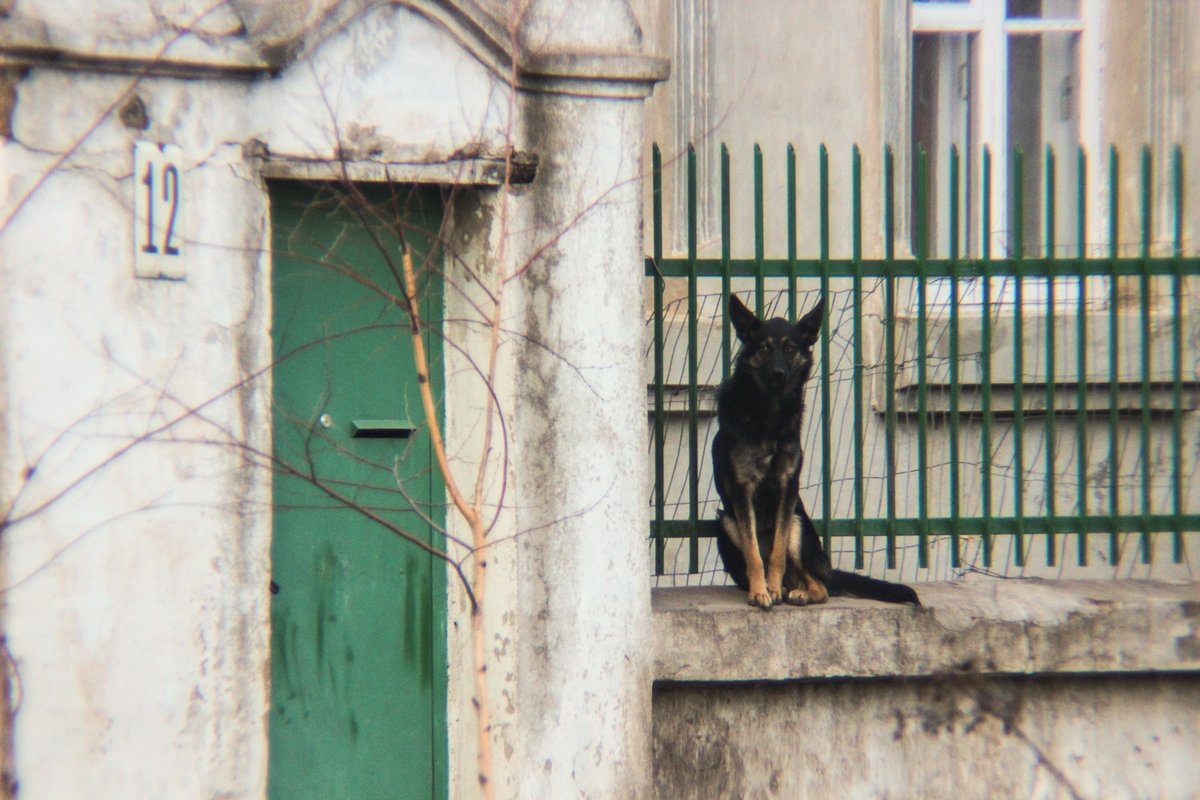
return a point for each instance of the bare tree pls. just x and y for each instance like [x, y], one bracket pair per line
[181, 421]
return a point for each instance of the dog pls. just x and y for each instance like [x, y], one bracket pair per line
[766, 540]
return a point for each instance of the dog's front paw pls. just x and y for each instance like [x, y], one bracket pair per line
[761, 600]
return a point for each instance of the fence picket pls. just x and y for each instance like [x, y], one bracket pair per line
[928, 385]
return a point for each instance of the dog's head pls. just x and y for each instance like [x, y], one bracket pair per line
[776, 353]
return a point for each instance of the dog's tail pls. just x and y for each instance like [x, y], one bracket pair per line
[851, 583]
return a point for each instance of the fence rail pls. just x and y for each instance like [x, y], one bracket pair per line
[1029, 395]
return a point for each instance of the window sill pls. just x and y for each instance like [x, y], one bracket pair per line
[978, 626]
[1097, 358]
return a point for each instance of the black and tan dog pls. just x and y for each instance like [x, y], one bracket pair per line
[767, 541]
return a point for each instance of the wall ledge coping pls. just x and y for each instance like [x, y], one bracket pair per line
[473, 171]
[978, 626]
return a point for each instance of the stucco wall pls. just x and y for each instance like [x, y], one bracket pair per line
[135, 559]
[136, 418]
[1150, 85]
[756, 75]
[566, 612]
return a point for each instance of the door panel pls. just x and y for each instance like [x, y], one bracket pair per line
[358, 618]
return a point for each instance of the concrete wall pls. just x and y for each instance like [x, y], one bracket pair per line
[982, 738]
[136, 535]
[994, 689]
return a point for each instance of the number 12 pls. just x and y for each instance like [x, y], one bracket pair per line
[170, 194]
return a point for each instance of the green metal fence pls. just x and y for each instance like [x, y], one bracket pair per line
[1043, 400]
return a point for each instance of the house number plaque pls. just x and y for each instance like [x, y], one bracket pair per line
[158, 235]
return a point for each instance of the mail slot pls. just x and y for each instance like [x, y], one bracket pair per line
[381, 429]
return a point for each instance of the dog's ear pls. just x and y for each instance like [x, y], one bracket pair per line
[744, 321]
[809, 326]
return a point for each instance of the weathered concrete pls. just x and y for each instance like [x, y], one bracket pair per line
[1017, 688]
[983, 626]
[1128, 736]
[582, 563]
[575, 721]
[135, 566]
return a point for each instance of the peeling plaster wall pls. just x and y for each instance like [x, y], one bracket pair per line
[581, 416]
[135, 567]
[567, 611]
[351, 96]
[135, 562]
[476, 228]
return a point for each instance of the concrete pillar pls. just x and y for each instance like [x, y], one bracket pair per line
[584, 685]
[583, 681]
[567, 611]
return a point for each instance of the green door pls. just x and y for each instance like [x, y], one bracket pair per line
[358, 613]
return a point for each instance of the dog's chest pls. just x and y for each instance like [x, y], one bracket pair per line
[755, 461]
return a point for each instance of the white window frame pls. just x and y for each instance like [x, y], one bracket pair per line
[986, 20]
[695, 114]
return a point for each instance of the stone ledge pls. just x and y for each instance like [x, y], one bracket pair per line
[978, 626]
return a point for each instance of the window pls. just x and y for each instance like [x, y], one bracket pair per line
[1006, 75]
[694, 109]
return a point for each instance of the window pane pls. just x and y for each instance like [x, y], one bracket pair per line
[1043, 101]
[1042, 9]
[942, 118]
